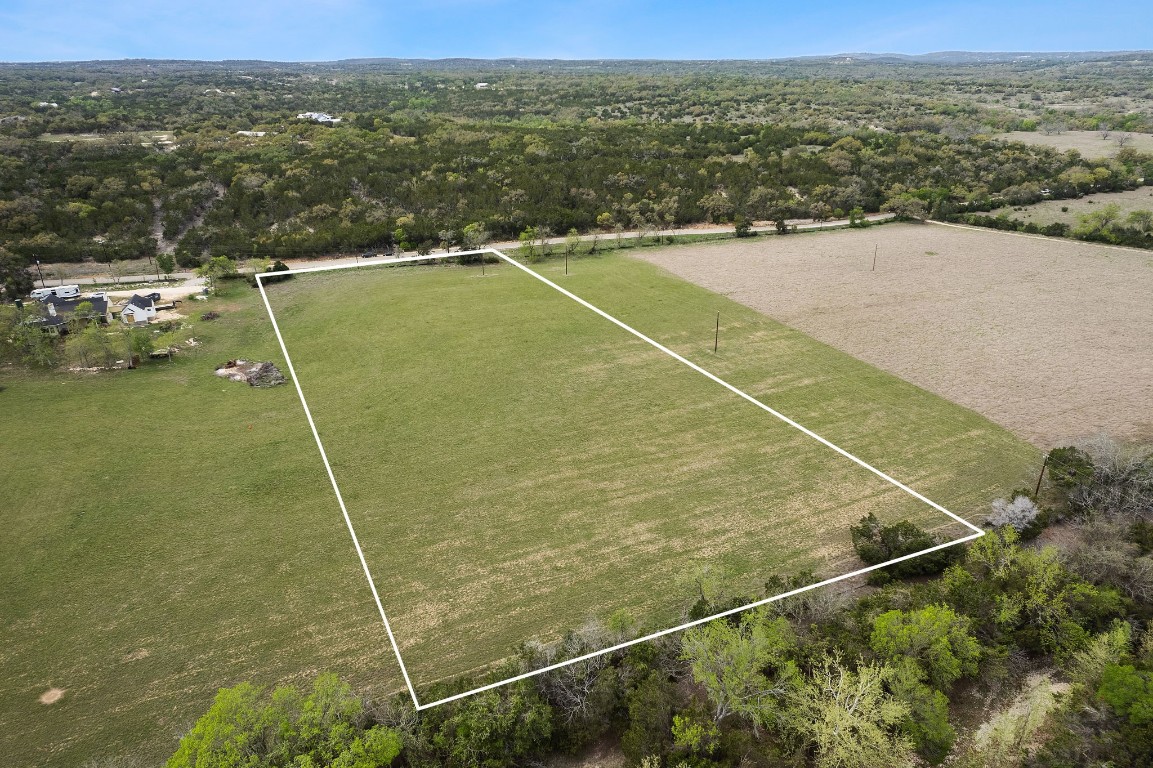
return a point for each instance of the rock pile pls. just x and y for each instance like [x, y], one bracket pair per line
[255, 374]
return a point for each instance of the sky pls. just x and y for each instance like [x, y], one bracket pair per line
[325, 30]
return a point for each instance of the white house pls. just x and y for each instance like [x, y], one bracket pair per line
[320, 117]
[139, 309]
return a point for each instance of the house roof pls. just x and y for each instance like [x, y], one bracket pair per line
[46, 321]
[143, 302]
[99, 306]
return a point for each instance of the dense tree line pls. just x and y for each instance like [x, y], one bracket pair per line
[419, 182]
[422, 153]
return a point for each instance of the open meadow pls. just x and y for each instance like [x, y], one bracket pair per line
[515, 464]
[1089, 143]
[1069, 211]
[1047, 337]
[168, 532]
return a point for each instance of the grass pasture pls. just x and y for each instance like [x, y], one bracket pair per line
[514, 464]
[167, 533]
[1089, 143]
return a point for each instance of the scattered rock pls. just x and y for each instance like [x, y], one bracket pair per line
[255, 374]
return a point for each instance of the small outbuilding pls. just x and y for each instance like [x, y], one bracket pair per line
[139, 309]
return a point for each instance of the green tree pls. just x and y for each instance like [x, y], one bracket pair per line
[1098, 224]
[716, 205]
[475, 236]
[494, 728]
[934, 637]
[876, 543]
[1142, 221]
[695, 732]
[905, 208]
[216, 268]
[326, 727]
[744, 669]
[167, 263]
[141, 342]
[1129, 692]
[273, 269]
[227, 735]
[375, 748]
[927, 723]
[95, 346]
[528, 250]
[572, 241]
[650, 714]
[848, 719]
[15, 279]
[80, 316]
[24, 343]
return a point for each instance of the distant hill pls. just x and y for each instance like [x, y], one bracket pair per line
[978, 57]
[1026, 59]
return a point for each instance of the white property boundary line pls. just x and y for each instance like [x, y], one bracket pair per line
[977, 532]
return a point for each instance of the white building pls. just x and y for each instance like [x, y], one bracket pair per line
[139, 309]
[320, 117]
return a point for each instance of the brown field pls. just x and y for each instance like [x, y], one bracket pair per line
[1049, 211]
[1047, 337]
[1088, 143]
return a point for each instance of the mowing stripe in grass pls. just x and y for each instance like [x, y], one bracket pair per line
[336, 490]
[977, 531]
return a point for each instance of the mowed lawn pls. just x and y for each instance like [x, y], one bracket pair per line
[166, 533]
[516, 464]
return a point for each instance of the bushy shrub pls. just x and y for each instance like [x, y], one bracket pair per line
[876, 543]
[1021, 513]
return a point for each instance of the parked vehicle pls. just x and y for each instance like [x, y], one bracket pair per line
[66, 291]
[39, 294]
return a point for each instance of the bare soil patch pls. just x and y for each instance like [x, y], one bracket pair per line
[1047, 337]
[52, 695]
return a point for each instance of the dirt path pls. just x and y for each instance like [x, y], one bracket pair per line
[1051, 338]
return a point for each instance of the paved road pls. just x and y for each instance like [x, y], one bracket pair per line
[503, 246]
[509, 246]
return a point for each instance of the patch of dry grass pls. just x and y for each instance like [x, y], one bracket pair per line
[1089, 143]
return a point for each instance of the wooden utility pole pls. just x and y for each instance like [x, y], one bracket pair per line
[566, 261]
[482, 265]
[875, 247]
[717, 337]
[1044, 464]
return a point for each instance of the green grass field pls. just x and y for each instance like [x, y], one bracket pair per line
[168, 532]
[516, 464]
